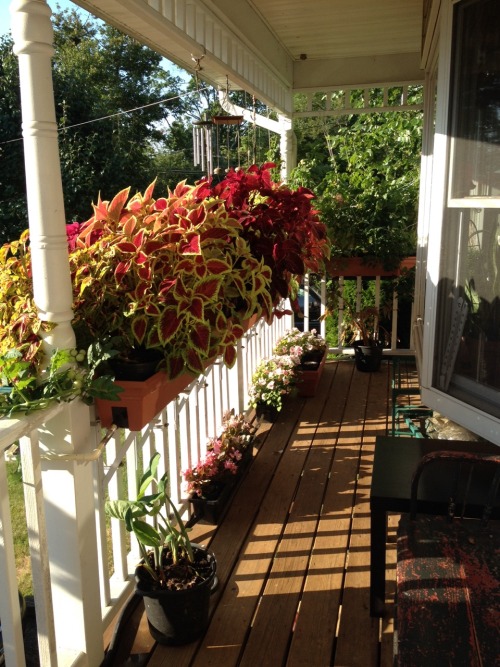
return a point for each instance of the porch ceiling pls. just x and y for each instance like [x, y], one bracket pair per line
[273, 48]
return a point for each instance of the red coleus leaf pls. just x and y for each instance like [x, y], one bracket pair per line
[214, 234]
[200, 337]
[144, 271]
[141, 258]
[237, 330]
[117, 205]
[151, 247]
[188, 266]
[126, 246]
[152, 309]
[230, 356]
[217, 266]
[121, 270]
[191, 246]
[166, 285]
[168, 325]
[175, 366]
[139, 328]
[139, 238]
[208, 288]
[197, 215]
[194, 307]
[194, 361]
[161, 204]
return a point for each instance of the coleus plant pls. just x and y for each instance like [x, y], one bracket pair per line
[173, 274]
[280, 224]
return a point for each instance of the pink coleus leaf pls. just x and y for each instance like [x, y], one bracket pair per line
[191, 246]
[118, 204]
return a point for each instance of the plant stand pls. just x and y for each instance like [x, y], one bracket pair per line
[310, 375]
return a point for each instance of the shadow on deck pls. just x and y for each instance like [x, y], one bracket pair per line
[293, 547]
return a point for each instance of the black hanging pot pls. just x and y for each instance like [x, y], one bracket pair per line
[177, 617]
[367, 357]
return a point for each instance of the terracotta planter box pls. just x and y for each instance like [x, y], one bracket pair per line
[140, 401]
[309, 380]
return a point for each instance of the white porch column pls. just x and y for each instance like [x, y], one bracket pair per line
[33, 36]
[288, 147]
[67, 484]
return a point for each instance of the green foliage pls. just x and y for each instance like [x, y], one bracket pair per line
[70, 374]
[166, 532]
[367, 183]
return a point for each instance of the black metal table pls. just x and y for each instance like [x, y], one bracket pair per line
[396, 458]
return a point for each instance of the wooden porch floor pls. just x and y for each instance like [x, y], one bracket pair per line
[293, 547]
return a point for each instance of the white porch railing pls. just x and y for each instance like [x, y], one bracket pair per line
[179, 433]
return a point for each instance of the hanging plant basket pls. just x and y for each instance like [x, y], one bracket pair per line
[227, 120]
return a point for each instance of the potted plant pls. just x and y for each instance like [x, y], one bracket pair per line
[309, 351]
[210, 482]
[279, 223]
[366, 335]
[172, 274]
[175, 577]
[273, 379]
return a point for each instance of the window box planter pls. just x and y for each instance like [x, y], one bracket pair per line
[140, 401]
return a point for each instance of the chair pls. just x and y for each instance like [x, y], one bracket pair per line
[448, 571]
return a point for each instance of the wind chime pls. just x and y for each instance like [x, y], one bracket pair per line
[202, 146]
[204, 135]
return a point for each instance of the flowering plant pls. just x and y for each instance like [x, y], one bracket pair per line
[273, 379]
[224, 453]
[299, 344]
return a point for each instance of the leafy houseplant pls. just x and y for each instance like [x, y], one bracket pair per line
[175, 577]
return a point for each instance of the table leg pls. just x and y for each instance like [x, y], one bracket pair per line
[378, 535]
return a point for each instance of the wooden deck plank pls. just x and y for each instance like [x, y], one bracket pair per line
[273, 625]
[355, 601]
[313, 641]
[293, 547]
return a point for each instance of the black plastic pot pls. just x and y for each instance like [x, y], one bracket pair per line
[138, 366]
[367, 357]
[180, 616]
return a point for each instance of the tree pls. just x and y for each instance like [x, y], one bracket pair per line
[365, 172]
[99, 73]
